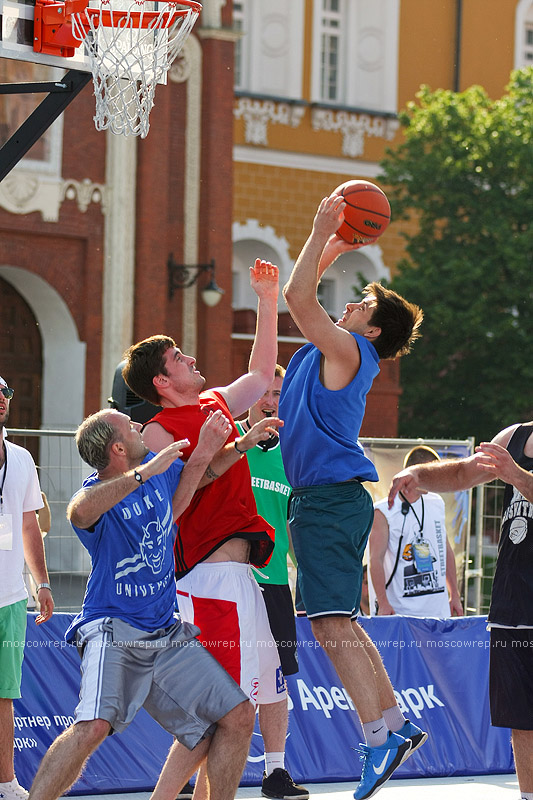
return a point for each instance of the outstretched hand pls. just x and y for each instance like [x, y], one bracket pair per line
[162, 461]
[329, 216]
[213, 434]
[328, 219]
[260, 432]
[498, 461]
[264, 279]
[405, 482]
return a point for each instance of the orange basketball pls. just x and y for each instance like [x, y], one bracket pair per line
[367, 212]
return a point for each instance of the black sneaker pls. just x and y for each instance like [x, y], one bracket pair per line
[279, 784]
[186, 793]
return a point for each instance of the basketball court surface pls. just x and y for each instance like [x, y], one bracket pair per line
[480, 787]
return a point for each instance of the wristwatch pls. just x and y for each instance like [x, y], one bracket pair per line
[43, 586]
[138, 477]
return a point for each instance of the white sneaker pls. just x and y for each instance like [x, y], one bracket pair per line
[13, 791]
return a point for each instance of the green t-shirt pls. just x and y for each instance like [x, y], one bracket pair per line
[271, 491]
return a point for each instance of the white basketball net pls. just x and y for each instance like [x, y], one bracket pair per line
[131, 48]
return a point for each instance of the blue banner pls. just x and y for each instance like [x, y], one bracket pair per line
[439, 669]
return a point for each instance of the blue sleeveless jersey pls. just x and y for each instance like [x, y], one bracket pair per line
[319, 441]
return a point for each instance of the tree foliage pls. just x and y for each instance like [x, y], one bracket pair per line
[465, 173]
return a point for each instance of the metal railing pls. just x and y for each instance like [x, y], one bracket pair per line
[61, 473]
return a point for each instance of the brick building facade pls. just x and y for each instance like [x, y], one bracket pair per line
[248, 135]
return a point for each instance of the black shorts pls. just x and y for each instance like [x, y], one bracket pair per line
[511, 678]
[280, 610]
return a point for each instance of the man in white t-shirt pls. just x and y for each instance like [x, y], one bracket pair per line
[412, 564]
[20, 538]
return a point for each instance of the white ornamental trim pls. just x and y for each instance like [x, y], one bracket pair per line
[257, 114]
[354, 128]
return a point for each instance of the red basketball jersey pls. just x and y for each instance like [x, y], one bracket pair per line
[224, 509]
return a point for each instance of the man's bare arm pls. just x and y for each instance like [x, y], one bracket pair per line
[88, 505]
[497, 462]
[32, 540]
[213, 434]
[378, 543]
[339, 348]
[229, 455]
[246, 390]
[439, 476]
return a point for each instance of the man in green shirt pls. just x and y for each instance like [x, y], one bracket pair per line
[271, 490]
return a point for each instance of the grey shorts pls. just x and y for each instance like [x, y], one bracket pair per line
[168, 672]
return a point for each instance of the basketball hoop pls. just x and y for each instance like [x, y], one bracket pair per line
[130, 44]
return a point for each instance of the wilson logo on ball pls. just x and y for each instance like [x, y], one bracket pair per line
[366, 213]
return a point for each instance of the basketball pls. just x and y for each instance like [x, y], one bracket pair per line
[367, 212]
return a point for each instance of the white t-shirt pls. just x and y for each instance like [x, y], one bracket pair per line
[418, 588]
[21, 492]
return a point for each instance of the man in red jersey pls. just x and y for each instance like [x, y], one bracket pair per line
[220, 535]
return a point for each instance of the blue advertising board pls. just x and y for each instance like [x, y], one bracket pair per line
[439, 669]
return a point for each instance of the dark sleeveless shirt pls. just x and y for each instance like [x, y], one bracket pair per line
[512, 590]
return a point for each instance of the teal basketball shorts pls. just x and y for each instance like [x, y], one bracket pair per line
[330, 525]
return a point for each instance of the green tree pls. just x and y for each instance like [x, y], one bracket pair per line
[465, 173]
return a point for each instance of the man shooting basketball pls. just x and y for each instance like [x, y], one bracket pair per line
[322, 404]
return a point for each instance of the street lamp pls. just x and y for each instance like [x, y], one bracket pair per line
[181, 276]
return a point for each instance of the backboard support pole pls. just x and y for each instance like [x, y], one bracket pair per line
[60, 94]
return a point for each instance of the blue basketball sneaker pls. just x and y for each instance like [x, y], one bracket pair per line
[379, 763]
[415, 734]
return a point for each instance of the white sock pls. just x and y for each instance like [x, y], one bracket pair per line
[375, 732]
[394, 718]
[274, 761]
[527, 796]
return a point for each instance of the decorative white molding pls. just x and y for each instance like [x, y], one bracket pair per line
[25, 191]
[258, 113]
[84, 193]
[354, 128]
[253, 231]
[246, 154]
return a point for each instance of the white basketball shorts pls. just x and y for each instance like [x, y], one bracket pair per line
[224, 601]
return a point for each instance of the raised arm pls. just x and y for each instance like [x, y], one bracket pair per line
[246, 390]
[88, 505]
[340, 350]
[213, 434]
[491, 460]
[438, 476]
[233, 451]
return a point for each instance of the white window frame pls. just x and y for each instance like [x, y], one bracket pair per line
[241, 17]
[352, 28]
[523, 23]
[327, 28]
[252, 19]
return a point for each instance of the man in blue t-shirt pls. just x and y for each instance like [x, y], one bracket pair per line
[135, 651]
[322, 405]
